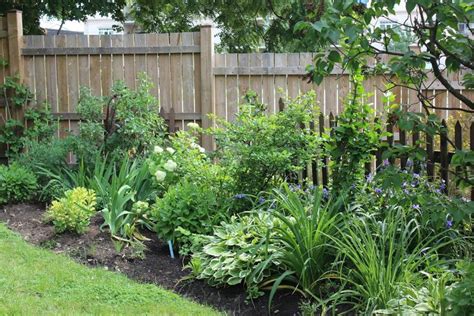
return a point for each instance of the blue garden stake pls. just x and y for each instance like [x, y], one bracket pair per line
[170, 245]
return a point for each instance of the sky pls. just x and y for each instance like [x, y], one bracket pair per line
[50, 23]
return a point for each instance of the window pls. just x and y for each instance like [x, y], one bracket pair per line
[464, 29]
[106, 30]
[384, 25]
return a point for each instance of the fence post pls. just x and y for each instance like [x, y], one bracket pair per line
[15, 42]
[207, 83]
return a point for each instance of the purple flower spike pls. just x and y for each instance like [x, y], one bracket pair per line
[378, 190]
[370, 177]
[449, 223]
[386, 163]
[416, 207]
[325, 193]
[261, 200]
[409, 163]
[240, 196]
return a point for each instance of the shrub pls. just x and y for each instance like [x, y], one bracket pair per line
[423, 200]
[74, 211]
[189, 206]
[353, 141]
[238, 251]
[17, 184]
[132, 122]
[261, 150]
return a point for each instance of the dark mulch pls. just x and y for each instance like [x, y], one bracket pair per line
[95, 248]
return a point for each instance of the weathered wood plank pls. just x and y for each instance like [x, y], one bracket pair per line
[126, 50]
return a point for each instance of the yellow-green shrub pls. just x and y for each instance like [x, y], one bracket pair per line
[74, 211]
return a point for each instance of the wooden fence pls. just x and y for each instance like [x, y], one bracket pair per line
[187, 75]
[438, 153]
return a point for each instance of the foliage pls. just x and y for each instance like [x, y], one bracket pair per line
[243, 26]
[304, 234]
[424, 201]
[238, 251]
[261, 150]
[379, 255]
[428, 297]
[461, 298]
[17, 184]
[354, 139]
[12, 132]
[41, 282]
[434, 25]
[46, 159]
[62, 10]
[124, 191]
[133, 123]
[187, 207]
[73, 211]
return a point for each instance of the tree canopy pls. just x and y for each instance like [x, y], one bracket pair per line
[64, 10]
[244, 25]
[347, 33]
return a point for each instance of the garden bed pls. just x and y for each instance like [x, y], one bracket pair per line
[95, 248]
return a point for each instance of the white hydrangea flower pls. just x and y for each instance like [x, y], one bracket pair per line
[157, 150]
[193, 125]
[160, 175]
[170, 165]
[201, 149]
[170, 150]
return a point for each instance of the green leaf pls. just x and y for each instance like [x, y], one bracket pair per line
[410, 5]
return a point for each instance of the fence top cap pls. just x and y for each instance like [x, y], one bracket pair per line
[207, 24]
[14, 10]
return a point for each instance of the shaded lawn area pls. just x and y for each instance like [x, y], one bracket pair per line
[35, 281]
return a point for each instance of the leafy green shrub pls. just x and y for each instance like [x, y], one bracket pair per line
[136, 123]
[239, 251]
[260, 150]
[461, 298]
[17, 184]
[423, 200]
[187, 206]
[74, 211]
[354, 140]
[132, 122]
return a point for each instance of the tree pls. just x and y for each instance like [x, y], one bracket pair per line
[346, 33]
[64, 10]
[245, 25]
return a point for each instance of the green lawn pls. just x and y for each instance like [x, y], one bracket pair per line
[35, 281]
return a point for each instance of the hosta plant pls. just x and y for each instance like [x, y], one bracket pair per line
[239, 251]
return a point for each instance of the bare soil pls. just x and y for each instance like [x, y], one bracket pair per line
[95, 248]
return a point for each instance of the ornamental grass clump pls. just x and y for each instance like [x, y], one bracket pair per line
[73, 211]
[307, 225]
[377, 256]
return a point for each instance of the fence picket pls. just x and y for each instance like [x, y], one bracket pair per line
[444, 155]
